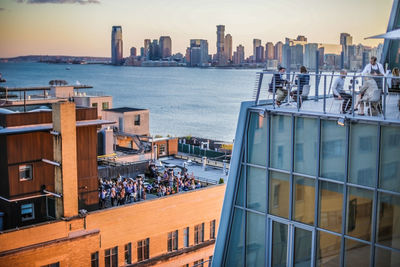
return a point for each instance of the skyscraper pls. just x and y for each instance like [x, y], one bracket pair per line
[228, 47]
[256, 43]
[310, 55]
[165, 46]
[346, 39]
[239, 58]
[198, 52]
[116, 45]
[260, 54]
[146, 48]
[269, 51]
[221, 45]
[278, 52]
[133, 51]
[154, 50]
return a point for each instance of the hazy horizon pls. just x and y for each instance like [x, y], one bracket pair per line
[83, 27]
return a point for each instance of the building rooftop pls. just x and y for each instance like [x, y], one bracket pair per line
[124, 109]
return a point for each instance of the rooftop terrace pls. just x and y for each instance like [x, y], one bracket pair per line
[320, 100]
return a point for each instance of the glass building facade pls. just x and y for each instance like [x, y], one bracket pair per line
[309, 192]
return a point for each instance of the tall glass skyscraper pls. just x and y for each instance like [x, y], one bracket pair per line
[221, 58]
[116, 45]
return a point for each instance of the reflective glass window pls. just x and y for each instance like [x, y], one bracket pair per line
[280, 146]
[333, 150]
[390, 159]
[240, 189]
[256, 189]
[363, 154]
[306, 145]
[330, 206]
[359, 213]
[304, 200]
[234, 255]
[387, 258]
[328, 249]
[357, 253]
[257, 139]
[255, 240]
[279, 244]
[389, 220]
[302, 247]
[279, 194]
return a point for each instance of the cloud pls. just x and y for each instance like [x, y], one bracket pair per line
[82, 2]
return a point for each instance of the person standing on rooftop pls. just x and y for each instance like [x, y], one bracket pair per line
[374, 68]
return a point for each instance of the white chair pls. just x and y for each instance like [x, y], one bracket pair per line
[374, 102]
[335, 101]
[306, 91]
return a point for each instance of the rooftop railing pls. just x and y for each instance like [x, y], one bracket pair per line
[317, 95]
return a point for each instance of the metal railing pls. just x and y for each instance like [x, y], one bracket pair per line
[321, 92]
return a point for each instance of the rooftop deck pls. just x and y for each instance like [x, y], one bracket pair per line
[320, 100]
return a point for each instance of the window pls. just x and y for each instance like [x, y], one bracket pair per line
[173, 241]
[94, 105]
[94, 259]
[198, 233]
[128, 253]
[56, 264]
[104, 105]
[186, 237]
[137, 119]
[198, 263]
[27, 212]
[162, 150]
[212, 229]
[25, 172]
[143, 249]
[111, 257]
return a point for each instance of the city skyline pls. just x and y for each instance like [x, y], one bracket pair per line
[83, 29]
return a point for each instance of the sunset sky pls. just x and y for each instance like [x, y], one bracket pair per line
[83, 27]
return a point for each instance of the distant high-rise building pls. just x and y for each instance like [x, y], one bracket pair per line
[154, 50]
[278, 52]
[301, 38]
[310, 53]
[256, 43]
[239, 58]
[346, 39]
[286, 56]
[228, 47]
[297, 53]
[133, 51]
[116, 45]
[146, 48]
[269, 51]
[198, 52]
[260, 54]
[221, 59]
[165, 46]
[321, 56]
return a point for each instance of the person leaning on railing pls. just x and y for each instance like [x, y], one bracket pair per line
[339, 93]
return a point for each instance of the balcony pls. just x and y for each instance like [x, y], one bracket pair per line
[320, 100]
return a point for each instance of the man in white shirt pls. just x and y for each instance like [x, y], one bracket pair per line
[374, 69]
[339, 92]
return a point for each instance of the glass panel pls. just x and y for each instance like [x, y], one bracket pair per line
[387, 258]
[363, 154]
[306, 145]
[390, 160]
[333, 149]
[357, 253]
[279, 244]
[389, 220]
[331, 206]
[302, 247]
[280, 142]
[240, 192]
[234, 255]
[328, 250]
[257, 139]
[255, 240]
[256, 189]
[279, 194]
[359, 213]
[304, 200]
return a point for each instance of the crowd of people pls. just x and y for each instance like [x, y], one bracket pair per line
[121, 191]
